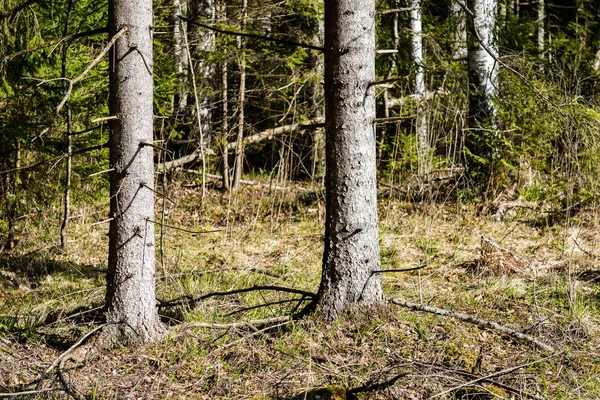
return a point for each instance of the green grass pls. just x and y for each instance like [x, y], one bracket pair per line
[265, 240]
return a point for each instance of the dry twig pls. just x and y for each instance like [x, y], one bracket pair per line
[474, 320]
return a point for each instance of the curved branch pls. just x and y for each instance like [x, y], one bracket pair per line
[193, 300]
[252, 35]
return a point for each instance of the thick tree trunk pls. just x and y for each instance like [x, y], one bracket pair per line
[130, 297]
[351, 229]
[423, 145]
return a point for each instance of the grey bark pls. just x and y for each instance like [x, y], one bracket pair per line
[483, 69]
[351, 228]
[130, 297]
[423, 145]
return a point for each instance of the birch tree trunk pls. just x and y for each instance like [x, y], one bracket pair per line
[351, 229]
[460, 34]
[423, 145]
[239, 151]
[182, 61]
[130, 296]
[483, 71]
[204, 40]
[541, 27]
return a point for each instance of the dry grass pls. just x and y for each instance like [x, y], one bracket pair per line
[527, 280]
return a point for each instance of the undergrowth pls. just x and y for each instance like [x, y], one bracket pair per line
[49, 299]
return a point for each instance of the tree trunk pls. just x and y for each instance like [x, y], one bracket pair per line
[239, 152]
[318, 138]
[482, 140]
[351, 229]
[182, 61]
[541, 27]
[225, 173]
[423, 145]
[460, 34]
[204, 40]
[130, 297]
[69, 138]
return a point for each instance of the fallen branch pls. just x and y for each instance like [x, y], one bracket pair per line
[490, 376]
[28, 392]
[474, 320]
[193, 300]
[271, 133]
[218, 270]
[485, 379]
[78, 343]
[264, 135]
[241, 324]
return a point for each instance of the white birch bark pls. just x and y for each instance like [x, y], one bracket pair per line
[460, 34]
[541, 27]
[483, 69]
[351, 230]
[423, 144]
[204, 43]
[182, 61]
[130, 297]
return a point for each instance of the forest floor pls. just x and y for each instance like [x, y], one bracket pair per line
[533, 273]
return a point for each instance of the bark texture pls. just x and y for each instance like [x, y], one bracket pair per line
[423, 144]
[130, 298]
[483, 71]
[351, 236]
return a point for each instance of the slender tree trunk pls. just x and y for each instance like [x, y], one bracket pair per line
[204, 41]
[460, 34]
[483, 70]
[351, 230]
[130, 296]
[225, 125]
[13, 188]
[317, 107]
[541, 26]
[390, 72]
[69, 138]
[225, 172]
[423, 145]
[482, 138]
[239, 152]
[180, 8]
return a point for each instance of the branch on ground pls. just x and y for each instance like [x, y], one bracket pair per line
[474, 320]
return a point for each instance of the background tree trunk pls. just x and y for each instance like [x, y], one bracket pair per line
[351, 237]
[541, 26]
[482, 138]
[423, 145]
[180, 8]
[239, 151]
[130, 295]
